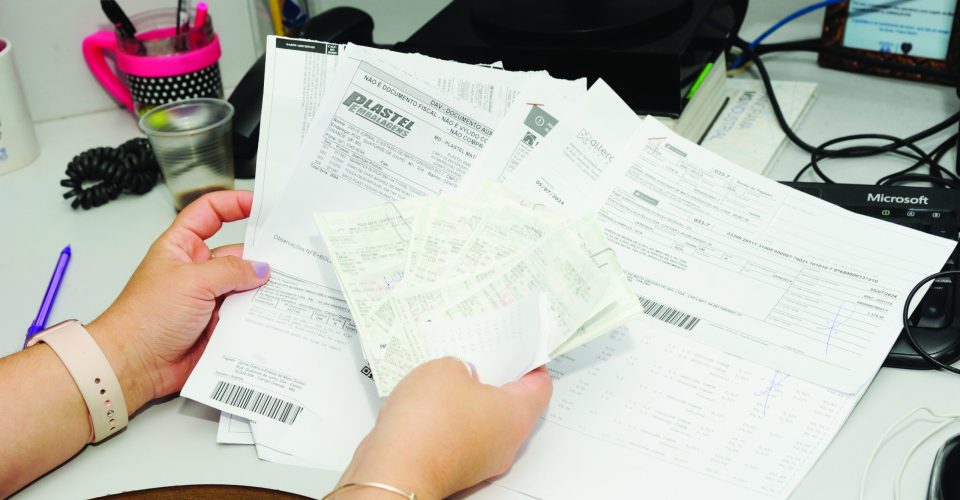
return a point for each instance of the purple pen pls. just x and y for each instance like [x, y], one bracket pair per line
[52, 288]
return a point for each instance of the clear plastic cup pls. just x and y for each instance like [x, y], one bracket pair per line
[192, 141]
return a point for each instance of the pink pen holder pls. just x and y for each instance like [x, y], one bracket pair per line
[157, 65]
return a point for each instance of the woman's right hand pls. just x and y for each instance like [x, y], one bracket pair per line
[442, 431]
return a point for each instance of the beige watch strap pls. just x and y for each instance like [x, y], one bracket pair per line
[92, 373]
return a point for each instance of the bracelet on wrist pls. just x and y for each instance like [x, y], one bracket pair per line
[368, 484]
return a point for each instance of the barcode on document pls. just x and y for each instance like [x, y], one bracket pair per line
[668, 314]
[255, 401]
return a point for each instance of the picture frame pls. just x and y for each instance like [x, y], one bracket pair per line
[860, 61]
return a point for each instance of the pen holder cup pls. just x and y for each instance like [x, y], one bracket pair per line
[193, 143]
[157, 65]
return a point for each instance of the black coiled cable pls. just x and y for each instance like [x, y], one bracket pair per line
[129, 168]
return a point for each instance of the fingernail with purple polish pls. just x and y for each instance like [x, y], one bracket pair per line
[261, 268]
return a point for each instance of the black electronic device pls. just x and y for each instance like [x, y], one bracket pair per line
[935, 211]
[338, 25]
[945, 473]
[649, 51]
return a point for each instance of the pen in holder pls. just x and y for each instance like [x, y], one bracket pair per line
[159, 63]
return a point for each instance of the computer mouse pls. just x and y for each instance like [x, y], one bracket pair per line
[945, 475]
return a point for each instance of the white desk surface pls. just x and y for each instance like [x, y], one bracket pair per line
[173, 442]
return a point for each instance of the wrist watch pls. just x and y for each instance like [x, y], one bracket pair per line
[91, 372]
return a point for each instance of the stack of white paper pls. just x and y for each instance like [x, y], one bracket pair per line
[766, 312]
[747, 132]
[409, 266]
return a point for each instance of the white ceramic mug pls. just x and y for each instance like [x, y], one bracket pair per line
[18, 142]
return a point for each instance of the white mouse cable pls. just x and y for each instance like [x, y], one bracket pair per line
[952, 417]
[903, 466]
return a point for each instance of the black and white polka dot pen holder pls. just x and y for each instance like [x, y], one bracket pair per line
[161, 63]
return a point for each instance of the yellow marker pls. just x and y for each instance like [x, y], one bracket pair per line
[276, 16]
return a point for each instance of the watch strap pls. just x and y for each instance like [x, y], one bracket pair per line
[91, 372]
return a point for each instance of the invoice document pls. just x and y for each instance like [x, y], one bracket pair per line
[487, 88]
[578, 155]
[539, 108]
[686, 420]
[648, 404]
[297, 76]
[298, 72]
[380, 136]
[648, 414]
[750, 266]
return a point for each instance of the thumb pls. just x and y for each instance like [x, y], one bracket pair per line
[531, 393]
[221, 275]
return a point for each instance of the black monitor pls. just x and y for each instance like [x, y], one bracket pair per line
[649, 51]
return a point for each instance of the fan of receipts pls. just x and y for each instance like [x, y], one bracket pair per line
[486, 279]
[708, 330]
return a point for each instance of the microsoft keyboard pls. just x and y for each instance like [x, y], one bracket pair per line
[932, 210]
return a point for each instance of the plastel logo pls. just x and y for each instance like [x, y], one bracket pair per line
[386, 118]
